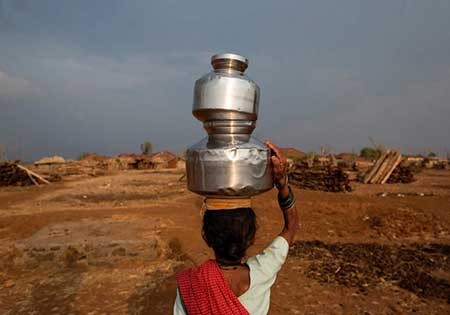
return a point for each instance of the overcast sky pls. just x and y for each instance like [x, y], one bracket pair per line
[104, 76]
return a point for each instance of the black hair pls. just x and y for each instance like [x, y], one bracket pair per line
[229, 233]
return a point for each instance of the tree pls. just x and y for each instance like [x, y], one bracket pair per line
[369, 153]
[432, 154]
[147, 148]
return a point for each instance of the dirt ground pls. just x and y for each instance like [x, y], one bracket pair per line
[112, 244]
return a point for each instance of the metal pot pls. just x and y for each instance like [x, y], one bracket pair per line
[229, 162]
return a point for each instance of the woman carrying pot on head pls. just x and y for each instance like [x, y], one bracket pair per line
[229, 284]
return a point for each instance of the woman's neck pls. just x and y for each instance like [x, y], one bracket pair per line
[224, 263]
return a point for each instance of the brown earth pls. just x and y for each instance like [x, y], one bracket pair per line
[112, 244]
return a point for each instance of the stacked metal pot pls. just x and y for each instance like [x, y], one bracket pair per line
[229, 162]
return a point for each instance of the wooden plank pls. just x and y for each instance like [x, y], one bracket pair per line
[394, 165]
[32, 179]
[375, 167]
[33, 173]
[376, 179]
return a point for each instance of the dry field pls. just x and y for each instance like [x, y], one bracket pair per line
[112, 244]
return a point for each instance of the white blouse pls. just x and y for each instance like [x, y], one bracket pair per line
[263, 272]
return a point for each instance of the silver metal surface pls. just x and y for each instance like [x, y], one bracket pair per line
[229, 162]
[230, 56]
[232, 127]
[229, 62]
[234, 171]
[225, 94]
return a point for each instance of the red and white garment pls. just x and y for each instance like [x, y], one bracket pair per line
[203, 290]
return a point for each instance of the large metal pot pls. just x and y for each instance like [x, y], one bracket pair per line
[229, 162]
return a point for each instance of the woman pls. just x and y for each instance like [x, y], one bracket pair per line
[228, 285]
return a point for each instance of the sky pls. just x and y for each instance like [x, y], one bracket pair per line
[105, 76]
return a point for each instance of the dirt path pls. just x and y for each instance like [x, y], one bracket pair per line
[111, 245]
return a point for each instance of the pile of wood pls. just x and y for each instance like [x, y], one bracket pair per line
[326, 178]
[83, 167]
[402, 174]
[14, 174]
[383, 167]
[414, 167]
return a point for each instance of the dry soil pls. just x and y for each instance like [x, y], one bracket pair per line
[112, 244]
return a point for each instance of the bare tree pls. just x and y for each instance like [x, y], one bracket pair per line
[147, 148]
[325, 150]
[377, 146]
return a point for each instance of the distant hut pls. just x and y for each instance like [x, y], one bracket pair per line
[50, 160]
[436, 162]
[414, 158]
[93, 157]
[165, 159]
[49, 164]
[94, 161]
[127, 161]
[293, 155]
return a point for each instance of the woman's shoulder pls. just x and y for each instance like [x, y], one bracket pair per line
[270, 260]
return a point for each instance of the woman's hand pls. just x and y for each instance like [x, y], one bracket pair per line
[279, 166]
[279, 169]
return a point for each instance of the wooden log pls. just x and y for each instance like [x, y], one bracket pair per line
[320, 178]
[32, 179]
[402, 174]
[383, 169]
[375, 167]
[387, 167]
[392, 167]
[33, 173]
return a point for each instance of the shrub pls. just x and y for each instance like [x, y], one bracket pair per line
[369, 153]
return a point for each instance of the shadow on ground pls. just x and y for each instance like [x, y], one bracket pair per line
[158, 295]
[54, 295]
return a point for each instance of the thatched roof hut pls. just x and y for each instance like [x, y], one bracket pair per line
[50, 160]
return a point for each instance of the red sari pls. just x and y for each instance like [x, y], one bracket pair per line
[205, 291]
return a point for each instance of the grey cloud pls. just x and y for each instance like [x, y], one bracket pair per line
[97, 103]
[13, 87]
[106, 75]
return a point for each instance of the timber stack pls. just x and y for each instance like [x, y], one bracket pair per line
[402, 174]
[14, 174]
[324, 178]
[383, 167]
[11, 175]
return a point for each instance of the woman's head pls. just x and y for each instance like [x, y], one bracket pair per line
[229, 232]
